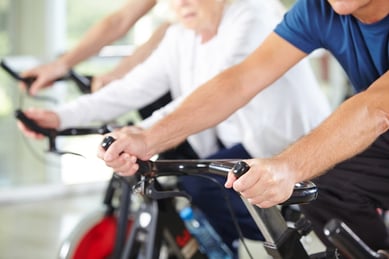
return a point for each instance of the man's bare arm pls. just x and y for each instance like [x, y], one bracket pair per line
[221, 96]
[348, 131]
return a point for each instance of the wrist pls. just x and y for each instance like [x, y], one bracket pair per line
[64, 63]
[150, 144]
[291, 167]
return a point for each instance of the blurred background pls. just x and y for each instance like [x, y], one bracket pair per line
[36, 31]
[32, 32]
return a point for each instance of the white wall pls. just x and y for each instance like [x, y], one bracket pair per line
[37, 27]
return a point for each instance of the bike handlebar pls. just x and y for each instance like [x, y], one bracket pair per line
[49, 132]
[304, 192]
[83, 82]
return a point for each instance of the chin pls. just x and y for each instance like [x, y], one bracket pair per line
[343, 7]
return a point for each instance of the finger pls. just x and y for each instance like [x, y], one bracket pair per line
[32, 113]
[263, 204]
[28, 73]
[126, 170]
[40, 83]
[28, 132]
[258, 198]
[231, 178]
[33, 90]
[125, 164]
[97, 83]
[269, 197]
[114, 150]
[23, 86]
[117, 162]
[100, 152]
[246, 181]
[267, 204]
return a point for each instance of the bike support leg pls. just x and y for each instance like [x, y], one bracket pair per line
[281, 242]
[122, 224]
[142, 241]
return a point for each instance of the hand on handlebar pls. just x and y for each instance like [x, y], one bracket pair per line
[266, 184]
[99, 81]
[44, 75]
[43, 118]
[122, 154]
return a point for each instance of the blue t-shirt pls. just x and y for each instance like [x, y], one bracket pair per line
[361, 49]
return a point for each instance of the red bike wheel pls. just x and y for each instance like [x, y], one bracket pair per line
[96, 241]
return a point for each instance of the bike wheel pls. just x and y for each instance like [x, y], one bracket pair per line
[92, 238]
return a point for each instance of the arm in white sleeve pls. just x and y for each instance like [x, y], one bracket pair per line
[160, 113]
[144, 84]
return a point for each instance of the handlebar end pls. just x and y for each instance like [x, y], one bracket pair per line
[240, 168]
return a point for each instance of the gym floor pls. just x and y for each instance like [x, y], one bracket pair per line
[35, 229]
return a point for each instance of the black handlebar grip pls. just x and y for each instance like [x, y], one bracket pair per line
[303, 192]
[83, 83]
[107, 142]
[27, 80]
[32, 124]
[145, 167]
[9, 70]
[240, 168]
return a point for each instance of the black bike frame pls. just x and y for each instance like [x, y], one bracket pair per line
[280, 240]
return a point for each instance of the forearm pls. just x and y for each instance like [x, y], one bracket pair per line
[141, 53]
[217, 99]
[106, 31]
[204, 108]
[347, 132]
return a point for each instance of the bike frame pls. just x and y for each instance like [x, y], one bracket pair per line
[281, 241]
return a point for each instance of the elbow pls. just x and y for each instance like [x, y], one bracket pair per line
[383, 120]
[377, 106]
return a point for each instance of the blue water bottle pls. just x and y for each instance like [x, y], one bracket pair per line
[209, 241]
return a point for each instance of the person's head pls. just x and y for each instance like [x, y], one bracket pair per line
[367, 11]
[202, 16]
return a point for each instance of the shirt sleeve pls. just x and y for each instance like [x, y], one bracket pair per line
[141, 86]
[301, 25]
[161, 113]
[244, 27]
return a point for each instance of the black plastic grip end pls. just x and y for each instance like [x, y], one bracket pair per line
[107, 142]
[240, 168]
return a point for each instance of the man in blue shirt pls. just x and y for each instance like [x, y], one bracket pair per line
[349, 150]
[352, 190]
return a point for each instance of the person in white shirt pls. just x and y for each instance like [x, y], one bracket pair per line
[210, 37]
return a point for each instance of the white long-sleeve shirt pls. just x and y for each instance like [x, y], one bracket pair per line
[271, 121]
